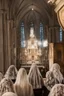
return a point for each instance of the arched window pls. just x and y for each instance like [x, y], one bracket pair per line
[60, 34]
[41, 32]
[22, 35]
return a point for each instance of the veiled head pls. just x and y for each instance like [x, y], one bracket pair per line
[55, 67]
[9, 94]
[56, 72]
[11, 72]
[6, 85]
[57, 90]
[22, 86]
[35, 77]
[21, 76]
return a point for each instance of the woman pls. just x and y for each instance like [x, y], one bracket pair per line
[57, 90]
[6, 85]
[9, 94]
[36, 80]
[50, 80]
[11, 73]
[22, 86]
[56, 72]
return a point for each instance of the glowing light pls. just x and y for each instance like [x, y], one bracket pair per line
[45, 43]
[32, 32]
[24, 43]
[32, 9]
[39, 43]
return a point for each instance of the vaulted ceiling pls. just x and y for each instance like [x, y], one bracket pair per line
[21, 8]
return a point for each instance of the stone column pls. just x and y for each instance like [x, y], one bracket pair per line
[14, 47]
[9, 41]
[1, 42]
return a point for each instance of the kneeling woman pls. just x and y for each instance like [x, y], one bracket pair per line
[22, 86]
[35, 78]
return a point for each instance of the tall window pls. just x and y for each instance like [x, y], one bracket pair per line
[60, 34]
[31, 24]
[22, 35]
[41, 32]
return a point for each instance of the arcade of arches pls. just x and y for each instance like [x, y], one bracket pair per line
[17, 18]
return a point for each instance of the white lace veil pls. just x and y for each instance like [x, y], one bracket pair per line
[50, 81]
[35, 77]
[57, 90]
[21, 77]
[22, 86]
[11, 72]
[9, 94]
[56, 72]
[6, 85]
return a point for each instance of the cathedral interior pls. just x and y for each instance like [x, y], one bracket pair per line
[32, 32]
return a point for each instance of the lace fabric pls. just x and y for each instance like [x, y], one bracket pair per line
[57, 90]
[35, 77]
[11, 72]
[6, 85]
[56, 72]
[50, 80]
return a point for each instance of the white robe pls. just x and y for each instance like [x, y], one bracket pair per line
[35, 77]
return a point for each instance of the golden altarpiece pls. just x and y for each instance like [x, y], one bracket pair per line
[34, 53]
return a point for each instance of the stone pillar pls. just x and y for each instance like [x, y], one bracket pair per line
[51, 54]
[1, 42]
[13, 50]
[9, 41]
[50, 35]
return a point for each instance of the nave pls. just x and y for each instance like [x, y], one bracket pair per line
[31, 47]
[19, 83]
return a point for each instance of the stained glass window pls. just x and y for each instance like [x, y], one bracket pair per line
[22, 35]
[60, 34]
[41, 32]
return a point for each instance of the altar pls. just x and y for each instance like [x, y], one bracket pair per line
[32, 50]
[34, 53]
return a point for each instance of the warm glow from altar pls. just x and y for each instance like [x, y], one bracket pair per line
[33, 49]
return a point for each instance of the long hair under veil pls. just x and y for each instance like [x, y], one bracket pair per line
[22, 86]
[35, 77]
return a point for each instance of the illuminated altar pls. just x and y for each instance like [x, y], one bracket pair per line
[35, 51]
[32, 50]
